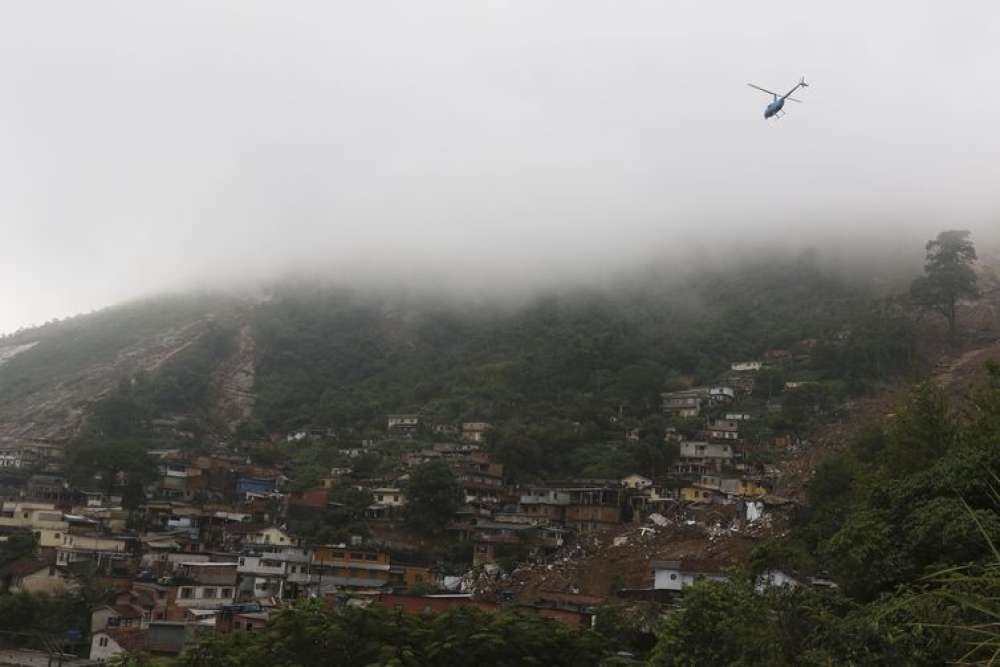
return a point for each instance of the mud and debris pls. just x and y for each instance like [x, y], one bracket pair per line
[600, 564]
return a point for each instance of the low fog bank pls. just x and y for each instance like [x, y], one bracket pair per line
[883, 258]
[500, 269]
[495, 148]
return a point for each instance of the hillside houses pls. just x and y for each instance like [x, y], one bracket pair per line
[692, 402]
[699, 457]
[475, 431]
[403, 425]
[221, 540]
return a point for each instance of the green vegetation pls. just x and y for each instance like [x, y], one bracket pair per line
[551, 373]
[337, 524]
[18, 545]
[182, 386]
[907, 522]
[65, 348]
[949, 275]
[432, 497]
[110, 465]
[24, 617]
[310, 634]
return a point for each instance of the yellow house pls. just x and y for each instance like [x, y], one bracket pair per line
[352, 567]
[749, 487]
[272, 535]
[412, 575]
[35, 576]
[694, 493]
[389, 496]
[43, 519]
[732, 486]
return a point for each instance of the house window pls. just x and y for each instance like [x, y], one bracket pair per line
[243, 561]
[208, 593]
[103, 641]
[226, 593]
[249, 626]
[56, 536]
[187, 593]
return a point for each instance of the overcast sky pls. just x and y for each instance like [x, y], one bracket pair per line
[149, 145]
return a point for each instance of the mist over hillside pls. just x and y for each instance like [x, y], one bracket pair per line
[310, 353]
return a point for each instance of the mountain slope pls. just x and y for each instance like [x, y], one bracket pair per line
[47, 389]
[324, 356]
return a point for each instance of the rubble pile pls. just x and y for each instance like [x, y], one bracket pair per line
[600, 563]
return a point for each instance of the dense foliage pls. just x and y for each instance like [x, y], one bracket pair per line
[65, 348]
[181, 392]
[312, 635]
[25, 618]
[907, 522]
[432, 497]
[552, 372]
[949, 275]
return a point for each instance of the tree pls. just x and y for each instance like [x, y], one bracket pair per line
[720, 623]
[18, 545]
[949, 275]
[922, 431]
[310, 634]
[110, 460]
[432, 497]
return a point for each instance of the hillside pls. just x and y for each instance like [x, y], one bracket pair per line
[52, 376]
[330, 357]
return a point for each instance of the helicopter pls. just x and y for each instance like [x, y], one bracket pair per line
[774, 108]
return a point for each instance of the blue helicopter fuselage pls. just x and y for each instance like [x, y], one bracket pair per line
[774, 107]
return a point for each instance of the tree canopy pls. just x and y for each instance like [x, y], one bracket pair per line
[312, 635]
[433, 494]
[949, 275]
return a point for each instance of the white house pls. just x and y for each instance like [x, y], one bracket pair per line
[724, 429]
[475, 431]
[745, 366]
[107, 643]
[635, 481]
[206, 585]
[699, 456]
[722, 394]
[675, 575]
[389, 495]
[403, 424]
[774, 577]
